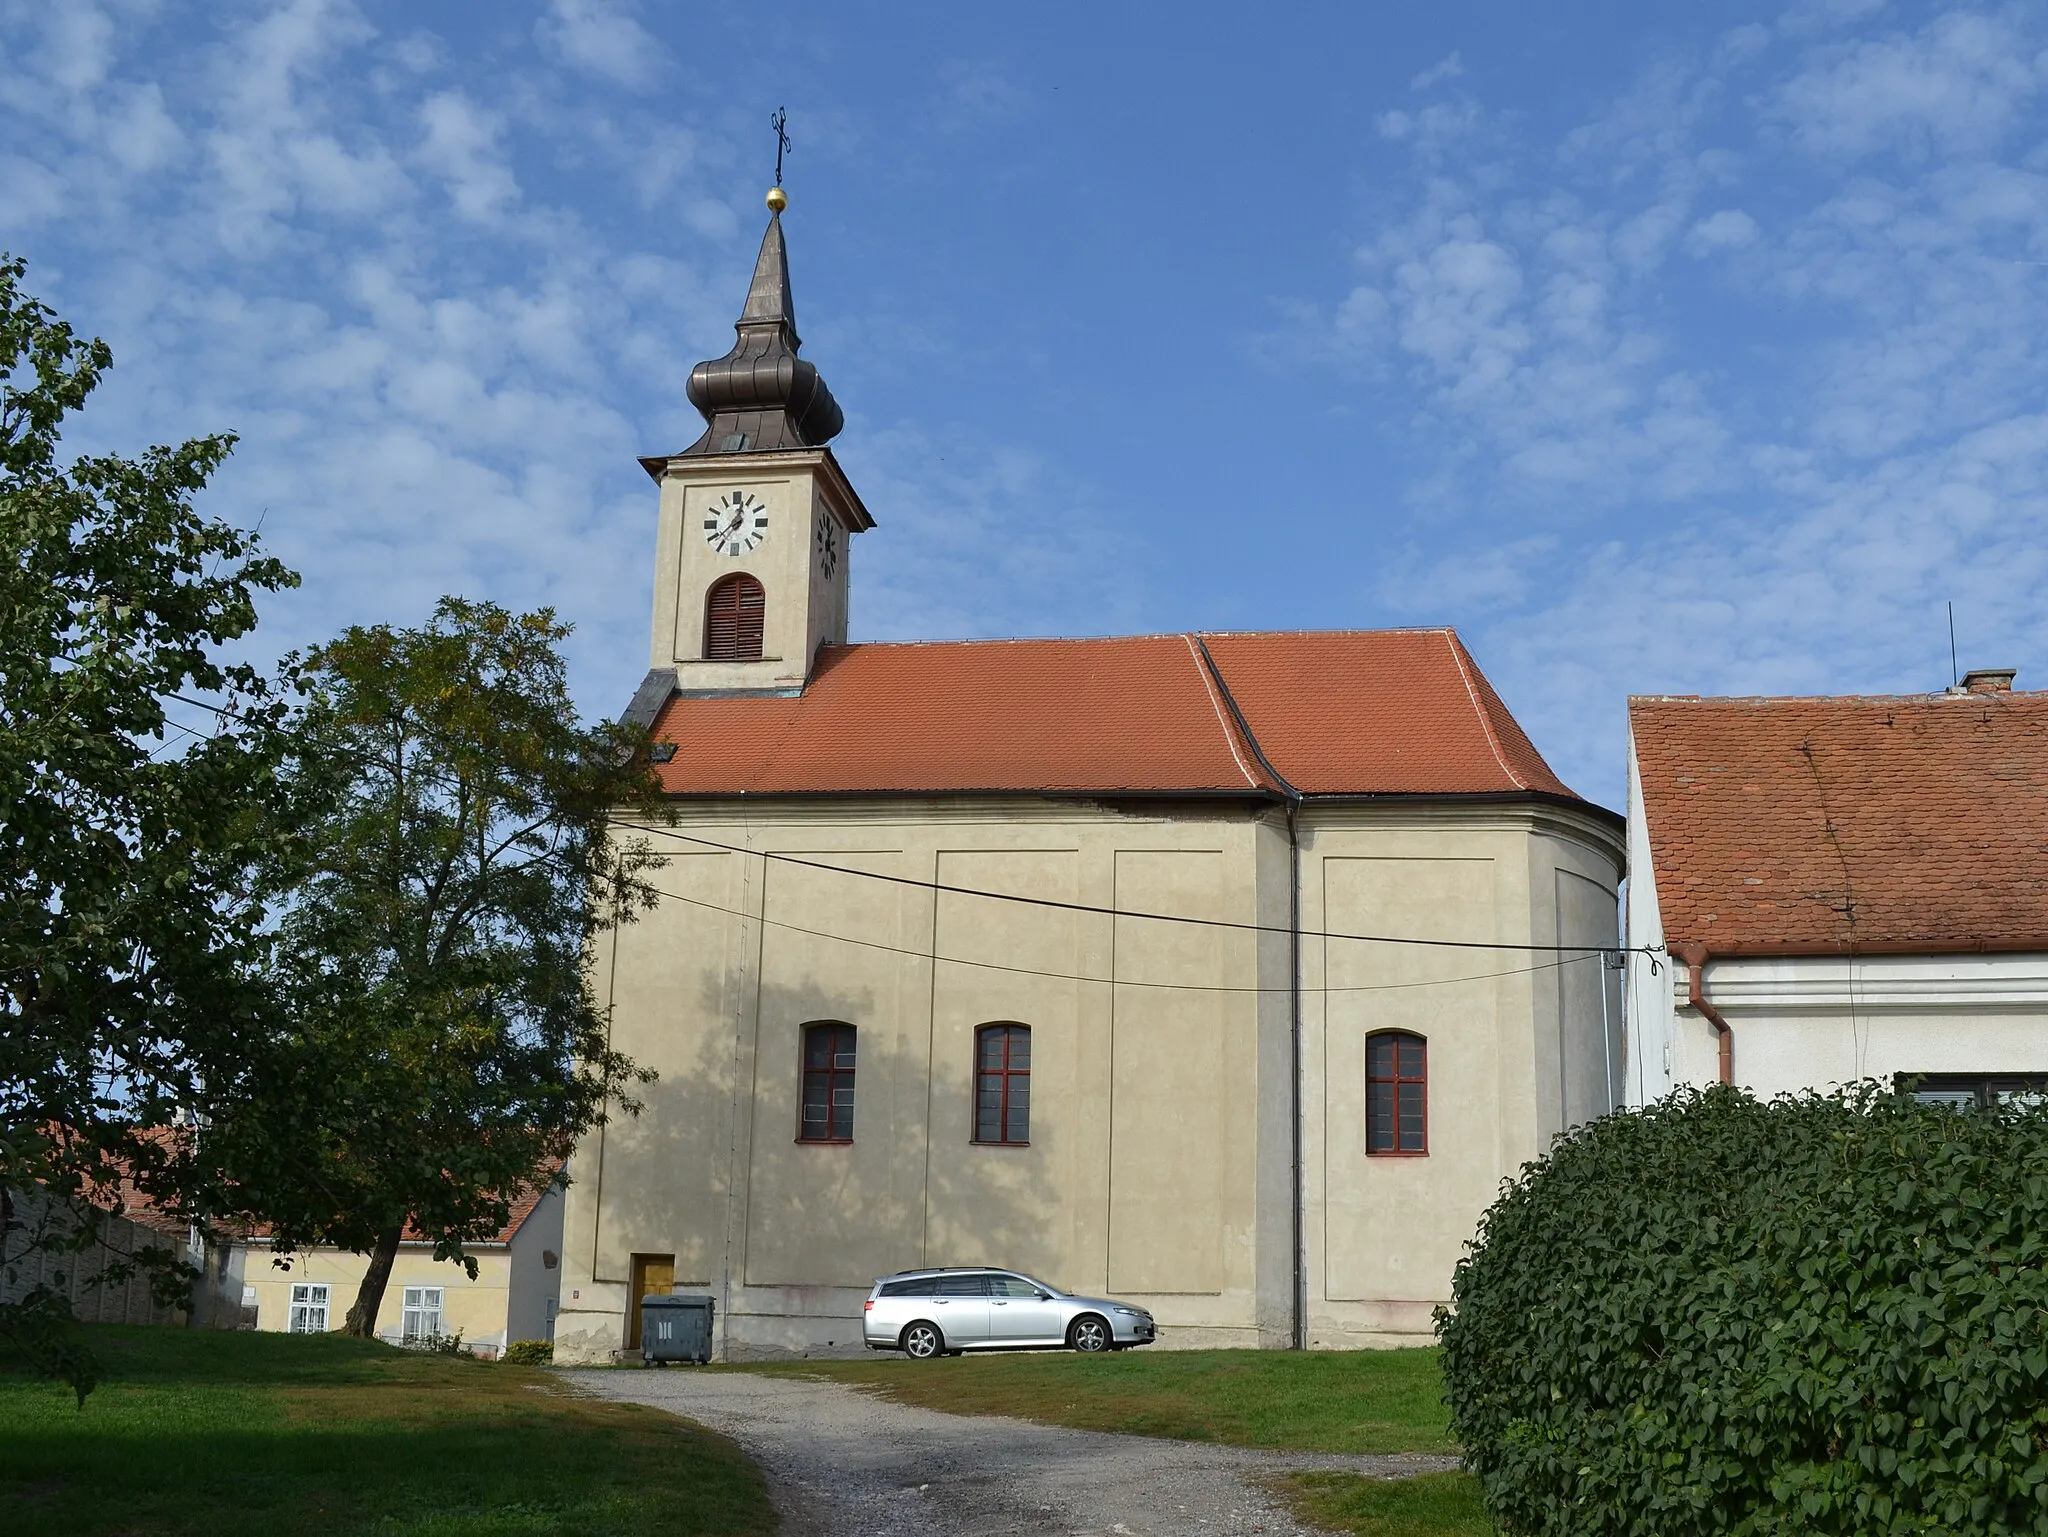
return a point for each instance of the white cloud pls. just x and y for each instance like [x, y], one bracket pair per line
[601, 38]
[461, 146]
[1788, 516]
[1449, 67]
[1960, 83]
[976, 532]
[1728, 230]
[980, 91]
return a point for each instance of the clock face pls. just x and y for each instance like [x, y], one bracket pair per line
[828, 546]
[736, 524]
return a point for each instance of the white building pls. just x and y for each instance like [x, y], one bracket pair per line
[1847, 888]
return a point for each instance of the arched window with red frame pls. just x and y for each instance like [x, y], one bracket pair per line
[1396, 1093]
[1002, 1085]
[735, 616]
[829, 1049]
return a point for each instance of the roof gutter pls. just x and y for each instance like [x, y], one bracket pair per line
[1297, 1173]
[1695, 956]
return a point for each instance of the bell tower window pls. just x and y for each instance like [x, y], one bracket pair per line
[734, 613]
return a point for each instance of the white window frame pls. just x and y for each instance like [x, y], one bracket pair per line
[420, 1316]
[309, 1308]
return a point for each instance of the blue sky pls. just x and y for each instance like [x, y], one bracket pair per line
[1692, 349]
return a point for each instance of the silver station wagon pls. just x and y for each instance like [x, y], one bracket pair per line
[926, 1313]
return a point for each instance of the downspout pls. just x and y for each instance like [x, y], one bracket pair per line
[1294, 1052]
[1296, 1195]
[1694, 954]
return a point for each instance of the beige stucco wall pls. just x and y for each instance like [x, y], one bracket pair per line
[1514, 1037]
[477, 1309]
[805, 604]
[1160, 1160]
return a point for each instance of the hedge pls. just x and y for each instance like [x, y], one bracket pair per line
[1819, 1315]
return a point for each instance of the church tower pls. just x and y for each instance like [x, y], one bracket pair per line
[757, 518]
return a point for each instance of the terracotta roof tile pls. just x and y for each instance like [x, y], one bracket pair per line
[1901, 824]
[1379, 712]
[1337, 713]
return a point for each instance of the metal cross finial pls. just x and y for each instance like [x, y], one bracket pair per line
[780, 123]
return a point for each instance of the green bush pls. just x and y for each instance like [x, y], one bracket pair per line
[1817, 1315]
[531, 1352]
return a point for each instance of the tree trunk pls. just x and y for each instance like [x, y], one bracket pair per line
[362, 1318]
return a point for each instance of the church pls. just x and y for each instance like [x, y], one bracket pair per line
[1225, 973]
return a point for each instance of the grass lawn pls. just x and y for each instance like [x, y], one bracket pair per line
[1434, 1505]
[225, 1434]
[1311, 1401]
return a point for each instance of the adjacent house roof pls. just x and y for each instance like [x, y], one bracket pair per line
[1914, 824]
[1382, 712]
[522, 1207]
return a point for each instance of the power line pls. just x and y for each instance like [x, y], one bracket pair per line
[1568, 951]
[1125, 912]
[1072, 976]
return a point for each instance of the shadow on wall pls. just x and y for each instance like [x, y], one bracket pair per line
[792, 1245]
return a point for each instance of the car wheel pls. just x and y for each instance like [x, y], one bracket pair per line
[922, 1341]
[1090, 1335]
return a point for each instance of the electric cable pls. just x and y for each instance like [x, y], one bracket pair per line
[1569, 951]
[1074, 976]
[1125, 912]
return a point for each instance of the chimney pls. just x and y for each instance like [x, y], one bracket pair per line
[1989, 680]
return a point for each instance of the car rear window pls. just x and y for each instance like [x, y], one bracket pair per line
[920, 1287]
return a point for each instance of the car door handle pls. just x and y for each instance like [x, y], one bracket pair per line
[1002, 1304]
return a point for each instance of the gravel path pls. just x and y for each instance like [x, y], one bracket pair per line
[843, 1463]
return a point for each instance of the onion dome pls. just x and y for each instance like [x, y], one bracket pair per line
[761, 395]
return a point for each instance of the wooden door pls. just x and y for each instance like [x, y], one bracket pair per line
[654, 1275]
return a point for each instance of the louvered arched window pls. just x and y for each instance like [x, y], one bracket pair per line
[733, 618]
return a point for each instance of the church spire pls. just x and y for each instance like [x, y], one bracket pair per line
[761, 395]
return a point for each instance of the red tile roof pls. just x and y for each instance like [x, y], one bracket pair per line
[1872, 825]
[522, 1207]
[1376, 712]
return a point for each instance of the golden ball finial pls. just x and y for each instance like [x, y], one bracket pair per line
[777, 200]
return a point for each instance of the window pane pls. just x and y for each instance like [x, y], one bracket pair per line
[1011, 1286]
[1411, 1118]
[1020, 1123]
[1379, 1057]
[962, 1285]
[1379, 1103]
[1410, 1057]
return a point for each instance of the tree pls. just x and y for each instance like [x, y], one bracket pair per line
[440, 1045]
[127, 841]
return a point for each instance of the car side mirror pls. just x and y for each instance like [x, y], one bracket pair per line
[1045, 1296]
